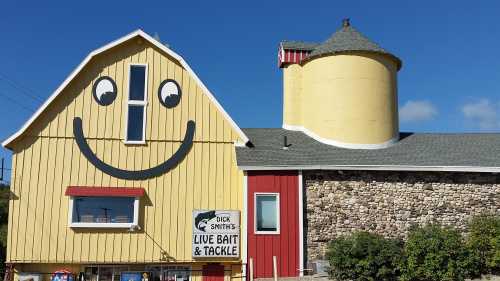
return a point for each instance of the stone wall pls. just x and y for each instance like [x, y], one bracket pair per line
[389, 203]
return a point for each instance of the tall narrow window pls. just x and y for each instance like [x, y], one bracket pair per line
[137, 99]
[267, 213]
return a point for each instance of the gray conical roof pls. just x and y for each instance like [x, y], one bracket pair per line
[348, 39]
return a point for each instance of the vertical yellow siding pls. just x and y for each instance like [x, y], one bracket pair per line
[47, 160]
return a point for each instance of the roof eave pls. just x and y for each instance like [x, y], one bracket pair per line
[399, 63]
[410, 168]
[7, 143]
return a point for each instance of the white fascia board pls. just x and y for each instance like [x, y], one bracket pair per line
[316, 137]
[65, 83]
[212, 98]
[244, 138]
[301, 223]
[378, 168]
[244, 242]
[240, 144]
[100, 225]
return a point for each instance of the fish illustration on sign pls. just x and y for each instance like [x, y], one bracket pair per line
[202, 219]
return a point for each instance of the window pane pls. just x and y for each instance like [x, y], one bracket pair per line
[176, 273]
[103, 209]
[266, 213]
[137, 82]
[106, 274]
[91, 273]
[117, 270]
[135, 122]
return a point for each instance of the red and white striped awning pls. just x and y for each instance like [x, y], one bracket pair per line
[290, 56]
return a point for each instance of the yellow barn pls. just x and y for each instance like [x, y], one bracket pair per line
[112, 172]
[132, 171]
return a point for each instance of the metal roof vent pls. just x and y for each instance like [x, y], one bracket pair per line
[286, 145]
[346, 23]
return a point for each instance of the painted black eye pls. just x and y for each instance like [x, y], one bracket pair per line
[104, 91]
[169, 93]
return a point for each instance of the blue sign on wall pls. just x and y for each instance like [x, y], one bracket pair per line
[130, 276]
[134, 276]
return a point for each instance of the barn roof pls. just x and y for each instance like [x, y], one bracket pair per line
[138, 33]
[346, 39]
[478, 152]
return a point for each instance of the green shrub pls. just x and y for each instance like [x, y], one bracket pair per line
[484, 242]
[364, 256]
[435, 253]
[495, 259]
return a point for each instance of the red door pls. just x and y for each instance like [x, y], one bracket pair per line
[213, 272]
[284, 245]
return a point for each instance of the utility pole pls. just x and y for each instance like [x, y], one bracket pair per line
[1, 170]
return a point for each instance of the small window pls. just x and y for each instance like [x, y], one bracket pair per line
[267, 213]
[93, 211]
[137, 82]
[136, 105]
[135, 122]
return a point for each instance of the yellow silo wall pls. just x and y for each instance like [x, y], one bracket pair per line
[347, 100]
[292, 91]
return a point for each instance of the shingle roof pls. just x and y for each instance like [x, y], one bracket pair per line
[299, 45]
[346, 39]
[472, 151]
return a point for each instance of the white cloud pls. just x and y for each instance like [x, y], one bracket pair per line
[483, 113]
[415, 111]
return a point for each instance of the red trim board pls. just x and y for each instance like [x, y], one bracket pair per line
[104, 191]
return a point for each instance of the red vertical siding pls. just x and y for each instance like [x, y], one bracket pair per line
[285, 245]
[213, 272]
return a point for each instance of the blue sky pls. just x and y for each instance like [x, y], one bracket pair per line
[449, 81]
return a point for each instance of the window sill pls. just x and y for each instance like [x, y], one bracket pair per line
[267, 232]
[127, 142]
[101, 225]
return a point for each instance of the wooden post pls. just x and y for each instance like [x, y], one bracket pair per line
[251, 269]
[275, 269]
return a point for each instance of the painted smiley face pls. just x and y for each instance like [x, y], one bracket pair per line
[104, 92]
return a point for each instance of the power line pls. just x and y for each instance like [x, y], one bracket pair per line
[23, 89]
[2, 168]
[21, 105]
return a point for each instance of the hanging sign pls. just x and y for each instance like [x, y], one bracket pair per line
[62, 275]
[216, 233]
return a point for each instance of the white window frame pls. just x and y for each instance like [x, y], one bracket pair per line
[142, 103]
[133, 224]
[278, 213]
[99, 267]
[179, 267]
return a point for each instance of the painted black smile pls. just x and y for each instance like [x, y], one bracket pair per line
[164, 167]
